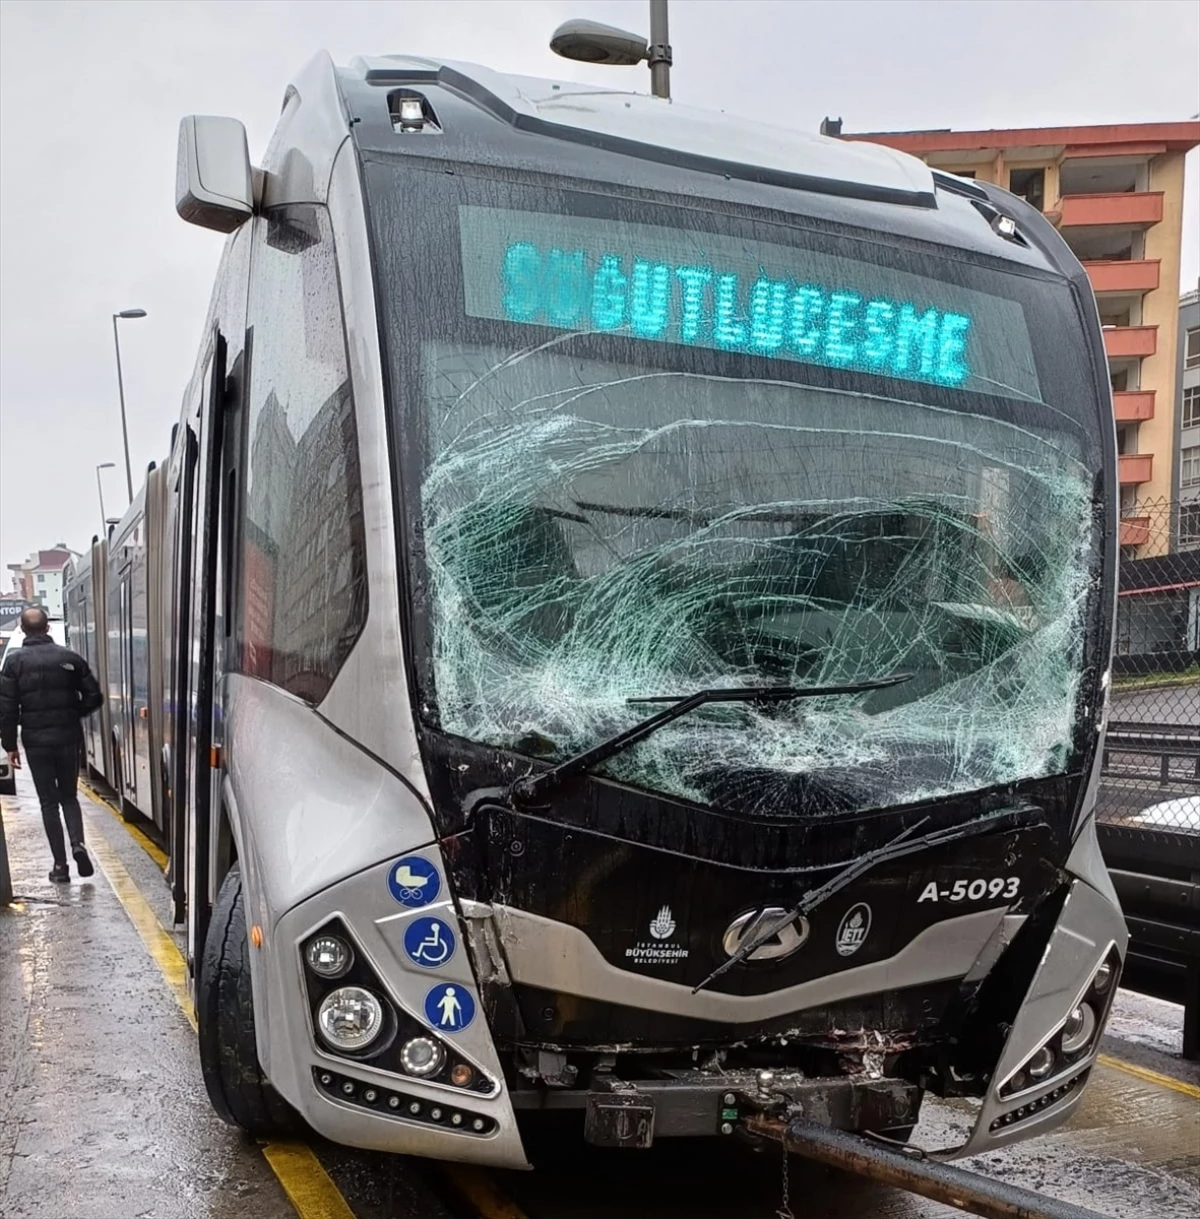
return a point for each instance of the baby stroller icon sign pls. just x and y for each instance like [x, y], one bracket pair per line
[414, 881]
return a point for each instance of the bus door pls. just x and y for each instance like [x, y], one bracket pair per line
[128, 721]
[182, 493]
[195, 761]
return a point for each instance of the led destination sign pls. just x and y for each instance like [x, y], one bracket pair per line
[706, 306]
[713, 291]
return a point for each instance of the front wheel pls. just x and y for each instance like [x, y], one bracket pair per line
[237, 1087]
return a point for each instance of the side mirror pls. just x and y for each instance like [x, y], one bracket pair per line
[213, 183]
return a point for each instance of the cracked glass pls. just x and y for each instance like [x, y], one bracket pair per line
[600, 514]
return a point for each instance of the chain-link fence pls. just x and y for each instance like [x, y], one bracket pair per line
[1151, 773]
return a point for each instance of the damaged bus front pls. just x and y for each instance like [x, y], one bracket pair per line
[758, 549]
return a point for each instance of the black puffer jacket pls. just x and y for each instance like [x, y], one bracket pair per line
[46, 689]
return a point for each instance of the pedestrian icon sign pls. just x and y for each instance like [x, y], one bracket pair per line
[414, 881]
[429, 942]
[450, 1007]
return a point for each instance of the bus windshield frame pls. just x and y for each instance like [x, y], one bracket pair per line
[589, 518]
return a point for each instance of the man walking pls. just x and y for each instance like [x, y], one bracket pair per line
[48, 689]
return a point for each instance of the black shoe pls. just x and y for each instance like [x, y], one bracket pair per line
[60, 874]
[83, 860]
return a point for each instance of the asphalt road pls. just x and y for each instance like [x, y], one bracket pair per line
[1161, 705]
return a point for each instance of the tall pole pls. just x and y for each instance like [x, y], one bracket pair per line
[100, 488]
[124, 425]
[659, 55]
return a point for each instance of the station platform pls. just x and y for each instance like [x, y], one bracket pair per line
[103, 1113]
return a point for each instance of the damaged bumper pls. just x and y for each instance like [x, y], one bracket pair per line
[1039, 1078]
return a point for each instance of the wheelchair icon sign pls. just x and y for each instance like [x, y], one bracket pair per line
[429, 942]
[414, 881]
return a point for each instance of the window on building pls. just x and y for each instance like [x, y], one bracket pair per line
[1189, 466]
[1191, 406]
[1119, 380]
[963, 173]
[41, 577]
[1030, 184]
[303, 607]
[1191, 348]
[1189, 526]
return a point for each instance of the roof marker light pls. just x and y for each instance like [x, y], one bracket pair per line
[412, 114]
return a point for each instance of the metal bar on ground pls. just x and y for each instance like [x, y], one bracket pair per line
[6, 891]
[966, 1191]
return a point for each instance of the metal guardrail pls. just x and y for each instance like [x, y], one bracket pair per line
[1148, 824]
[1165, 742]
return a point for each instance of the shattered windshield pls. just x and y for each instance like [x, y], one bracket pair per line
[607, 504]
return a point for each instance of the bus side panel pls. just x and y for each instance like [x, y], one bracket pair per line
[138, 653]
[116, 601]
[98, 609]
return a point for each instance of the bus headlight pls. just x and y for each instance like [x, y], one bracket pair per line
[328, 956]
[350, 1018]
[1079, 1029]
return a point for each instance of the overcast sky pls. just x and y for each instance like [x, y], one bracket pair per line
[91, 95]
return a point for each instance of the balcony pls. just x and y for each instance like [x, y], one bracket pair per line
[1135, 530]
[1133, 405]
[1135, 468]
[1135, 209]
[1130, 342]
[1131, 275]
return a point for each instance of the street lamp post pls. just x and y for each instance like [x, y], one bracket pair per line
[125, 313]
[591, 42]
[104, 465]
[658, 54]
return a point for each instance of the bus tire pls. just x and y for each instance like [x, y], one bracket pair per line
[236, 1085]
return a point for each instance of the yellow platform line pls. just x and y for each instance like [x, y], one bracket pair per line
[1150, 1077]
[144, 841]
[159, 944]
[308, 1187]
[481, 1192]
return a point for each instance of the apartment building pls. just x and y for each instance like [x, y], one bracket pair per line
[1187, 420]
[1115, 193]
[39, 580]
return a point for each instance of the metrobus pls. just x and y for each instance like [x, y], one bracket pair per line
[622, 629]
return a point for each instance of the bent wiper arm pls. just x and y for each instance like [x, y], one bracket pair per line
[527, 788]
[899, 846]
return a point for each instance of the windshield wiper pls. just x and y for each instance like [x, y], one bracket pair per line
[526, 789]
[899, 846]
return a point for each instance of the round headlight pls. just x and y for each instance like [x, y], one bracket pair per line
[422, 1056]
[1103, 978]
[1079, 1029]
[328, 956]
[1041, 1064]
[350, 1018]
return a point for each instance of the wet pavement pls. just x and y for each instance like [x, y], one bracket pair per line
[103, 1114]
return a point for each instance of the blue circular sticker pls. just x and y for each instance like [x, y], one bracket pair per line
[429, 942]
[450, 1007]
[414, 881]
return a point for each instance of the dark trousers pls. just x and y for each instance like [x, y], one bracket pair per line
[55, 775]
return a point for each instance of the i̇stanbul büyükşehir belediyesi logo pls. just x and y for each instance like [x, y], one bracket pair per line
[655, 951]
